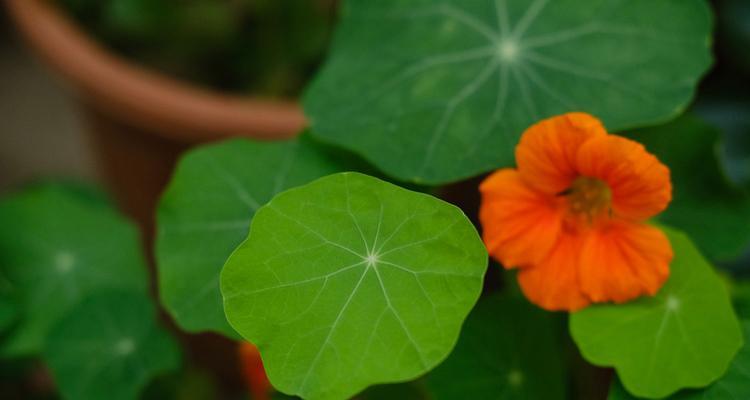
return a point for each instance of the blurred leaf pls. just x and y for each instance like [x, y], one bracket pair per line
[735, 384]
[138, 21]
[398, 391]
[187, 384]
[734, 18]
[685, 336]
[741, 298]
[508, 349]
[439, 91]
[206, 211]
[237, 45]
[109, 347]
[715, 214]
[57, 245]
[8, 302]
[350, 281]
[733, 117]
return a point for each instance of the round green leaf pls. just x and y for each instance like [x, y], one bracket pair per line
[109, 347]
[684, 337]
[206, 211]
[350, 281]
[735, 384]
[508, 350]
[714, 213]
[435, 91]
[57, 245]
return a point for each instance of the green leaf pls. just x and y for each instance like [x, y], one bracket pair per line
[8, 303]
[436, 91]
[741, 298]
[109, 347]
[57, 245]
[732, 115]
[350, 281]
[684, 337]
[714, 213]
[735, 384]
[206, 211]
[398, 391]
[508, 349]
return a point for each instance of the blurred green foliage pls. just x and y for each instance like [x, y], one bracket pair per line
[268, 47]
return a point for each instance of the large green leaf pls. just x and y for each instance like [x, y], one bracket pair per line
[58, 244]
[438, 90]
[206, 211]
[735, 384]
[350, 281]
[684, 337]
[507, 350]
[109, 347]
[715, 214]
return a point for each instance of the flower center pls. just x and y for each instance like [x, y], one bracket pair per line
[589, 198]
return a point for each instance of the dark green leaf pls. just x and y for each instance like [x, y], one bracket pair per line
[715, 214]
[508, 349]
[57, 245]
[436, 91]
[109, 347]
[206, 211]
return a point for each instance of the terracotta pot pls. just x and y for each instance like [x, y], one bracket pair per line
[139, 120]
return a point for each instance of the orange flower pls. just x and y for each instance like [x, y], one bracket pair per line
[254, 373]
[571, 217]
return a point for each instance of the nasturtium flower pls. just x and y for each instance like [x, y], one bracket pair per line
[572, 216]
[254, 372]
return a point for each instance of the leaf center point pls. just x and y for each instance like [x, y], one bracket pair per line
[673, 303]
[515, 378]
[371, 259]
[124, 346]
[507, 50]
[64, 262]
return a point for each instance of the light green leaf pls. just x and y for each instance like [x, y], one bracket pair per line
[109, 347]
[715, 214]
[206, 211]
[351, 281]
[507, 350]
[57, 245]
[735, 384]
[439, 90]
[684, 337]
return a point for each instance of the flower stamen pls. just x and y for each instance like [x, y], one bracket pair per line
[589, 198]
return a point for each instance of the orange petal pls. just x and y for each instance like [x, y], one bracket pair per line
[553, 284]
[520, 226]
[640, 184]
[624, 260]
[253, 371]
[546, 154]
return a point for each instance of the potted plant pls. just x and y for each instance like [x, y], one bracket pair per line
[140, 112]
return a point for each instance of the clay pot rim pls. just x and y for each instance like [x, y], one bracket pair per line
[140, 97]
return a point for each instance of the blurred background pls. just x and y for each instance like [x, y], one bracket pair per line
[112, 91]
[31, 145]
